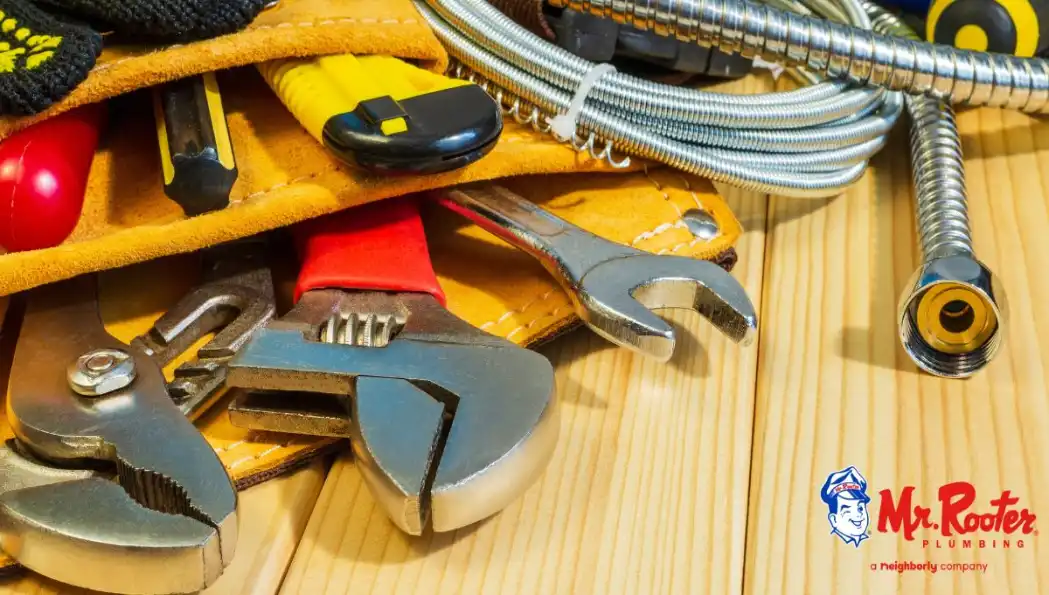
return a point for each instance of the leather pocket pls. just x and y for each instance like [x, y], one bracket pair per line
[298, 28]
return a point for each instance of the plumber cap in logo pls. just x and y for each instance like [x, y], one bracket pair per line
[847, 483]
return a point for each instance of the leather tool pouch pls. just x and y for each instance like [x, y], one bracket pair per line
[286, 176]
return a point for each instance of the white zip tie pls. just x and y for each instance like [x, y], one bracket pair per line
[775, 69]
[564, 125]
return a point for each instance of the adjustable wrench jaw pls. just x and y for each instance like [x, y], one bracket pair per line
[168, 523]
[419, 465]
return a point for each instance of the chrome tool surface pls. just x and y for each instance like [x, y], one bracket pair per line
[104, 469]
[234, 300]
[613, 287]
[448, 424]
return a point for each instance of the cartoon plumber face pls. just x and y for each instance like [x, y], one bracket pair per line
[845, 494]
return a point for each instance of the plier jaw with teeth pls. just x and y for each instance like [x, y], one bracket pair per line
[104, 468]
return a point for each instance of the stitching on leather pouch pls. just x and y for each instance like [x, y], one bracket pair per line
[510, 313]
[647, 235]
[659, 187]
[228, 447]
[324, 23]
[688, 187]
[255, 457]
[276, 187]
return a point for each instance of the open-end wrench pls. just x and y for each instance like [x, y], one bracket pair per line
[234, 300]
[447, 423]
[612, 287]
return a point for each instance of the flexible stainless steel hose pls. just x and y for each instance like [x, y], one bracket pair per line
[952, 313]
[936, 161]
[841, 52]
[813, 141]
[939, 179]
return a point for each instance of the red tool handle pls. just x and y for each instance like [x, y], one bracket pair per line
[43, 177]
[380, 246]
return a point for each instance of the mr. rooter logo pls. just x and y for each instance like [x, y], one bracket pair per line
[958, 518]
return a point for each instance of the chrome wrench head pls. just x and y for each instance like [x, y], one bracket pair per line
[616, 298]
[234, 300]
[448, 424]
[167, 524]
[613, 287]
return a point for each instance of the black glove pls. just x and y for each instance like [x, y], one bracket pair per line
[47, 47]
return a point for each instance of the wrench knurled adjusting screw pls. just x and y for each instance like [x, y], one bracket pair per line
[952, 313]
[101, 371]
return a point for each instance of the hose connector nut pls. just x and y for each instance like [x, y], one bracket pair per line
[952, 316]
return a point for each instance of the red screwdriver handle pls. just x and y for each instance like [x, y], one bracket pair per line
[43, 176]
[380, 246]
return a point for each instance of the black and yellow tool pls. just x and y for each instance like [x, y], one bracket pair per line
[195, 148]
[385, 115]
[1018, 27]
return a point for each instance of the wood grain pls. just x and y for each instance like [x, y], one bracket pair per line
[273, 519]
[646, 491]
[834, 389]
[273, 516]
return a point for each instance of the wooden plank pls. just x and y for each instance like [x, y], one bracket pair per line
[273, 519]
[273, 516]
[834, 389]
[646, 491]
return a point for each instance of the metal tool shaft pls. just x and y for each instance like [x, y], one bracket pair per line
[565, 250]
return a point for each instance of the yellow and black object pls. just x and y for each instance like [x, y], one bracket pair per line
[195, 148]
[1018, 27]
[385, 115]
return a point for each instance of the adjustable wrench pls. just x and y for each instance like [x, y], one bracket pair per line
[235, 299]
[448, 423]
[104, 469]
[612, 287]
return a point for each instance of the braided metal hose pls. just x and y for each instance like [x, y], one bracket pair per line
[841, 52]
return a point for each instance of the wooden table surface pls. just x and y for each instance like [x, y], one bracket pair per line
[703, 475]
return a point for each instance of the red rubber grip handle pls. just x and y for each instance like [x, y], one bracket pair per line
[43, 177]
[380, 246]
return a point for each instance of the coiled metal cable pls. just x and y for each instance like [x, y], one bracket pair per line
[813, 141]
[841, 52]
